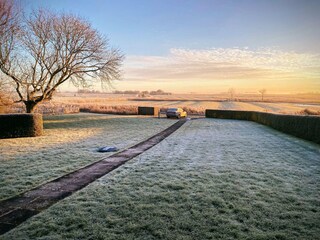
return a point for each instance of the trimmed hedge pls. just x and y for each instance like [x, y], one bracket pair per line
[153, 111]
[306, 127]
[20, 125]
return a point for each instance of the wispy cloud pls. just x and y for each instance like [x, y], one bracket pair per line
[243, 68]
[266, 58]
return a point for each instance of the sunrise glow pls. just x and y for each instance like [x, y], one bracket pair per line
[208, 46]
[216, 70]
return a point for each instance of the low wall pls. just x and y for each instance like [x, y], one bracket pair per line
[20, 125]
[153, 111]
[306, 127]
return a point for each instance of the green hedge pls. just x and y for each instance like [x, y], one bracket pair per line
[153, 111]
[306, 127]
[20, 125]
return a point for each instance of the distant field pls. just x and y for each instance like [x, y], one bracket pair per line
[286, 104]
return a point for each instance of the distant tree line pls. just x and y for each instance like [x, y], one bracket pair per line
[126, 92]
[88, 91]
[143, 93]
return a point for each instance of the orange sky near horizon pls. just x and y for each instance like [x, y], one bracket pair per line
[217, 70]
[207, 46]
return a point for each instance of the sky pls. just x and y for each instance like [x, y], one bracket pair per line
[207, 46]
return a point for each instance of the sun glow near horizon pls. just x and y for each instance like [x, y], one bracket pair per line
[190, 46]
[217, 69]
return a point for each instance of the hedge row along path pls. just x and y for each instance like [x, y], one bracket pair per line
[16, 210]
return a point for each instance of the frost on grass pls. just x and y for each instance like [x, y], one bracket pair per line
[69, 142]
[212, 179]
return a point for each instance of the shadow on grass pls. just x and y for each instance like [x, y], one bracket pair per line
[80, 121]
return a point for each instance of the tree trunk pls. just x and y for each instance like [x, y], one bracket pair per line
[30, 106]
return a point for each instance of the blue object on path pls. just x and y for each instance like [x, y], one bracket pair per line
[108, 149]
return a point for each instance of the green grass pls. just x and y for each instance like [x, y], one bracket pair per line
[69, 142]
[212, 179]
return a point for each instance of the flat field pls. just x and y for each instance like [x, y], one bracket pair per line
[285, 104]
[69, 142]
[211, 179]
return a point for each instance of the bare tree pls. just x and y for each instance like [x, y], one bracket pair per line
[262, 92]
[9, 26]
[8, 15]
[5, 101]
[50, 49]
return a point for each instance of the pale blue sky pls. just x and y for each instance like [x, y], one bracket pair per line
[208, 45]
[152, 27]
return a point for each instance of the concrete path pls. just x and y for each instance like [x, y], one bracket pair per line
[16, 210]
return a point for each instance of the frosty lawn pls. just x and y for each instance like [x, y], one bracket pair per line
[69, 142]
[220, 179]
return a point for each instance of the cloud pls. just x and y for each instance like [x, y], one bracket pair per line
[265, 65]
[266, 58]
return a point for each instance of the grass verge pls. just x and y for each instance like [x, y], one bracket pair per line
[69, 142]
[212, 179]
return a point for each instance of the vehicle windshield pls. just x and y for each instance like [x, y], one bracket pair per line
[172, 109]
